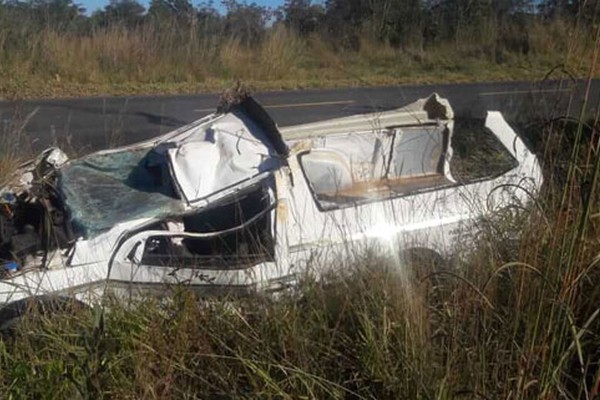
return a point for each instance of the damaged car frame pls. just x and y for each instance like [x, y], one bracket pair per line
[232, 202]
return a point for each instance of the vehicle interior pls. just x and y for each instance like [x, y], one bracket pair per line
[357, 168]
[363, 167]
[236, 233]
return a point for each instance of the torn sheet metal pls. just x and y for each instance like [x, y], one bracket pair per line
[430, 110]
[232, 202]
[36, 169]
[226, 153]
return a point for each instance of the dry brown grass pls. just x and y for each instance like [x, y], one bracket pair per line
[165, 59]
[15, 148]
[281, 54]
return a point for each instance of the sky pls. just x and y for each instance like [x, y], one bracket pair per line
[93, 5]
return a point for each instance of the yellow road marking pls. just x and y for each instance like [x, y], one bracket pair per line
[295, 105]
[524, 92]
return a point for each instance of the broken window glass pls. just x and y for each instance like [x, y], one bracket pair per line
[231, 235]
[105, 189]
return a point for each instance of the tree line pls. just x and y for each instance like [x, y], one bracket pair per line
[396, 22]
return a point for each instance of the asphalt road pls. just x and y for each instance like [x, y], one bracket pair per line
[95, 123]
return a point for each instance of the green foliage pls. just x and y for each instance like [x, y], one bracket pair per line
[161, 9]
[61, 15]
[398, 22]
[301, 16]
[49, 47]
[129, 13]
[245, 23]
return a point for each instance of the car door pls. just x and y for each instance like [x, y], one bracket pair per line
[234, 245]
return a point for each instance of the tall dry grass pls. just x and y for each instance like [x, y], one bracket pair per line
[278, 57]
[507, 322]
[156, 57]
[15, 146]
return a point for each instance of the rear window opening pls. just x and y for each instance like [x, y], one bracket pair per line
[243, 235]
[477, 152]
[362, 167]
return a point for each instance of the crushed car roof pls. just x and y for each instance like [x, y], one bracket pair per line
[156, 180]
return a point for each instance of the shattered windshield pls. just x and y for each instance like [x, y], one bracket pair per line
[102, 190]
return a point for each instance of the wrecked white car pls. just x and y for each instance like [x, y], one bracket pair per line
[232, 202]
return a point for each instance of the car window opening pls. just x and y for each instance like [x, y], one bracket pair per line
[242, 235]
[357, 168]
[477, 153]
